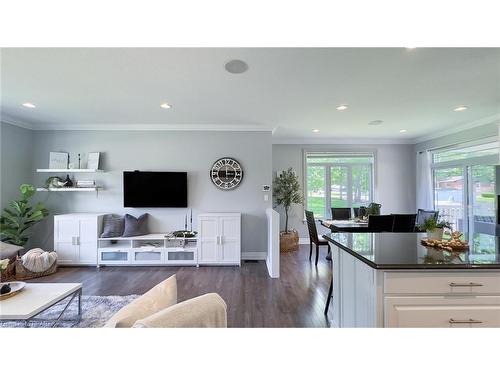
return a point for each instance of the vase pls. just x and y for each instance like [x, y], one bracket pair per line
[435, 234]
[289, 241]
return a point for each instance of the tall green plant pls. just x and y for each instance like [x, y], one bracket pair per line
[286, 191]
[16, 221]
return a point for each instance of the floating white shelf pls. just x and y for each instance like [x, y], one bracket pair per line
[69, 189]
[69, 170]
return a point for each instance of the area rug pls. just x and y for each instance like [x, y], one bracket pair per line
[96, 311]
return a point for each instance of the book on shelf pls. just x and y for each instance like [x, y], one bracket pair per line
[85, 183]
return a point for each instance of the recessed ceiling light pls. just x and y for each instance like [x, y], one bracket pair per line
[315, 130]
[460, 108]
[402, 131]
[342, 107]
[411, 47]
[165, 105]
[375, 122]
[236, 66]
[29, 105]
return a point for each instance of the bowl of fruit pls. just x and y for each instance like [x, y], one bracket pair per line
[8, 290]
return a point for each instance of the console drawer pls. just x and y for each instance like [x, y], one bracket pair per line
[442, 312]
[442, 282]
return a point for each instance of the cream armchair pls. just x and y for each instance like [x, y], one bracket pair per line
[158, 308]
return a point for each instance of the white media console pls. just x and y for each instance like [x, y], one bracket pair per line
[77, 242]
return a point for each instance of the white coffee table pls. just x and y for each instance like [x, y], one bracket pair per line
[35, 298]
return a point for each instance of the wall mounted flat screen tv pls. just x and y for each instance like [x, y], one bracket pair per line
[154, 189]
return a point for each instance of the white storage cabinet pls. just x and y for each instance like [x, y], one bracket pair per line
[75, 238]
[219, 239]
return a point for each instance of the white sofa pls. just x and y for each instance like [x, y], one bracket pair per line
[158, 308]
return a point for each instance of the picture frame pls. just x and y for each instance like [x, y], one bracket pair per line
[93, 160]
[58, 160]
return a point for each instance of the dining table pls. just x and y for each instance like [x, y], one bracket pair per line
[352, 226]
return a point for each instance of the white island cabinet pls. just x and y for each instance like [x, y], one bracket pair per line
[420, 287]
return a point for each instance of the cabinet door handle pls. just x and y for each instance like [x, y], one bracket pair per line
[465, 284]
[220, 240]
[464, 321]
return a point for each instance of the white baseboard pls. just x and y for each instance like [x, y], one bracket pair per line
[304, 241]
[254, 255]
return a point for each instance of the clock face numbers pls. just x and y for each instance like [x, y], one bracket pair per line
[226, 173]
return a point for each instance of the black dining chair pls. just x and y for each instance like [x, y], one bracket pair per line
[380, 223]
[313, 236]
[356, 211]
[404, 222]
[341, 213]
[329, 298]
[423, 215]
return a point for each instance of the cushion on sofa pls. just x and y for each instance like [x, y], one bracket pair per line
[112, 226]
[135, 226]
[9, 251]
[156, 299]
[206, 311]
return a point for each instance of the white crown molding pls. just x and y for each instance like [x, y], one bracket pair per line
[459, 128]
[155, 127]
[341, 141]
[12, 121]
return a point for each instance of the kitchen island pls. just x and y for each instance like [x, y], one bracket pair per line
[392, 280]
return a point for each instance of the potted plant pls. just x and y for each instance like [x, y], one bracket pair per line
[286, 191]
[16, 221]
[435, 228]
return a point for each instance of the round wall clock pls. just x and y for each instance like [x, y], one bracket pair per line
[226, 173]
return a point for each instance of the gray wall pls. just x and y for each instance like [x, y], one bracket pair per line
[16, 161]
[193, 152]
[394, 175]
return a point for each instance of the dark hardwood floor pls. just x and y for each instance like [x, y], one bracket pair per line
[297, 299]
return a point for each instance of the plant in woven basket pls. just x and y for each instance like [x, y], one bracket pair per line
[17, 220]
[286, 191]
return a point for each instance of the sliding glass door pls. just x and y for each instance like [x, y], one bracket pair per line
[449, 195]
[482, 216]
[340, 186]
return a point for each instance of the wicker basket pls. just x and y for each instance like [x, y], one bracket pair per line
[289, 241]
[22, 273]
[9, 273]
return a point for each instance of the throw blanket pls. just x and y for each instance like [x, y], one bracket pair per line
[37, 260]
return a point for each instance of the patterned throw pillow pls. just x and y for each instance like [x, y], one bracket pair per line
[135, 226]
[113, 226]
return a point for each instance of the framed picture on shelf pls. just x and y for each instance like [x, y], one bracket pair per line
[58, 160]
[93, 160]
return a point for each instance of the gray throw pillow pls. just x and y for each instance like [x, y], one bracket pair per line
[113, 226]
[135, 226]
[9, 251]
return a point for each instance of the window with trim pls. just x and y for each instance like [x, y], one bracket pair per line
[337, 180]
[464, 185]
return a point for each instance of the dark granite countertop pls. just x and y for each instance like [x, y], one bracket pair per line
[404, 251]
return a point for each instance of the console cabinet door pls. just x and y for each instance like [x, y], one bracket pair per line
[88, 241]
[230, 239]
[208, 248]
[66, 233]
